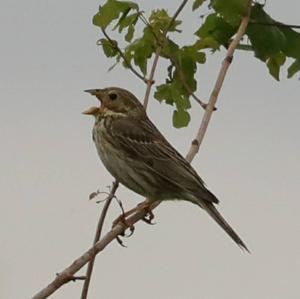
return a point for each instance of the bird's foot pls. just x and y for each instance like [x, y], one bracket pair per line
[122, 219]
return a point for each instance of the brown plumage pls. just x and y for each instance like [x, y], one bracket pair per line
[139, 157]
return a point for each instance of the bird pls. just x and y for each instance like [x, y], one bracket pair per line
[138, 156]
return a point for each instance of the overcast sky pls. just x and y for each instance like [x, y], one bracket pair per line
[49, 166]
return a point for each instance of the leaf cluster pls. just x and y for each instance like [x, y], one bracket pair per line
[270, 42]
[273, 43]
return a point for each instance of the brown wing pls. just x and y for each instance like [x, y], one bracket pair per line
[143, 142]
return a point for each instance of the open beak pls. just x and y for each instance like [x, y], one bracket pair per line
[92, 111]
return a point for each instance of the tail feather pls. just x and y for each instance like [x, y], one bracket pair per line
[214, 213]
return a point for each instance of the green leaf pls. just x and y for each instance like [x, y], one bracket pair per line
[273, 43]
[122, 18]
[130, 32]
[181, 118]
[194, 52]
[266, 40]
[292, 46]
[141, 50]
[197, 4]
[111, 11]
[109, 49]
[294, 68]
[188, 68]
[207, 42]
[181, 74]
[169, 49]
[216, 28]
[230, 10]
[160, 21]
[274, 63]
[164, 93]
[127, 21]
[174, 93]
[181, 100]
[140, 59]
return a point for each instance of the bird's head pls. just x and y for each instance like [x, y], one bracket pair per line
[115, 101]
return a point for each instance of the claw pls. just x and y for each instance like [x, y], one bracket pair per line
[131, 228]
[149, 214]
[119, 240]
[149, 217]
[122, 219]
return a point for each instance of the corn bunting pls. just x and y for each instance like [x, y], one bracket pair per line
[139, 157]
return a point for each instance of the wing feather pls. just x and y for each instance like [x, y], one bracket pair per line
[143, 142]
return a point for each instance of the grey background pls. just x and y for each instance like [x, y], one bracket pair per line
[49, 166]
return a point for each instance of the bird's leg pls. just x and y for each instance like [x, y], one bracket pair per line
[149, 216]
[123, 220]
[146, 206]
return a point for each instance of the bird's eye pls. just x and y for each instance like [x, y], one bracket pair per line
[113, 96]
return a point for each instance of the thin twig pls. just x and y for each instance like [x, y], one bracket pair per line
[118, 229]
[128, 64]
[90, 266]
[277, 24]
[177, 12]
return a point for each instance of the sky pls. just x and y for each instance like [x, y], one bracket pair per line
[49, 166]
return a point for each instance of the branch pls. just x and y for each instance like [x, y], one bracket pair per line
[218, 85]
[90, 266]
[177, 12]
[67, 274]
[150, 80]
